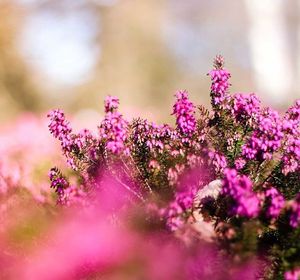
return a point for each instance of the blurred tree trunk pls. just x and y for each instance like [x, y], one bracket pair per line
[269, 47]
[17, 90]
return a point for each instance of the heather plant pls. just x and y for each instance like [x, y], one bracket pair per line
[27, 152]
[234, 169]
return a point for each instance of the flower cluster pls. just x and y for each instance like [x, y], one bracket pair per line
[150, 136]
[184, 110]
[275, 202]
[218, 161]
[113, 128]
[231, 141]
[232, 170]
[266, 138]
[292, 119]
[239, 189]
[111, 104]
[73, 145]
[67, 194]
[295, 212]
[220, 84]
[177, 211]
[246, 108]
[61, 129]
[58, 183]
[291, 157]
[291, 125]
[239, 163]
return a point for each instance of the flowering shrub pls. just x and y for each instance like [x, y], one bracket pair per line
[233, 172]
[26, 153]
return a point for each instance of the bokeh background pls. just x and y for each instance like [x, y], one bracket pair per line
[72, 53]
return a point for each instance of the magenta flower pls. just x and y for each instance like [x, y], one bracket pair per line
[182, 174]
[58, 183]
[184, 110]
[111, 104]
[239, 163]
[266, 138]
[246, 108]
[61, 129]
[151, 135]
[113, 129]
[239, 189]
[175, 213]
[292, 118]
[295, 212]
[291, 154]
[220, 82]
[291, 147]
[218, 161]
[292, 275]
[275, 203]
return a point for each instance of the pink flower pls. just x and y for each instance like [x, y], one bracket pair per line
[266, 138]
[113, 129]
[275, 202]
[111, 103]
[295, 212]
[291, 147]
[220, 83]
[184, 110]
[218, 160]
[246, 108]
[239, 163]
[239, 189]
[292, 275]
